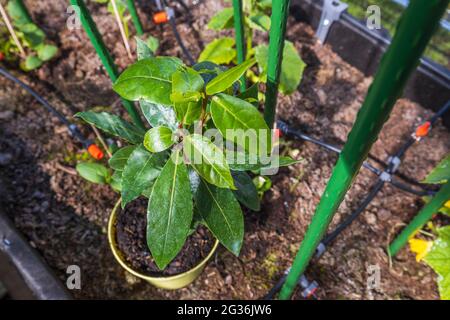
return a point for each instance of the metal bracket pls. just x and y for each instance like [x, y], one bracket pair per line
[331, 12]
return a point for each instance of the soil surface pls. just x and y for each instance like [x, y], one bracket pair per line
[65, 217]
[131, 238]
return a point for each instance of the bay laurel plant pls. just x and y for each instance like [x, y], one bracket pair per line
[191, 164]
[256, 19]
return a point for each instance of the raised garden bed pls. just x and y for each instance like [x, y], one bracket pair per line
[65, 218]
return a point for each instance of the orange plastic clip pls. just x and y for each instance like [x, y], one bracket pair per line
[2, 56]
[423, 129]
[278, 133]
[160, 17]
[95, 152]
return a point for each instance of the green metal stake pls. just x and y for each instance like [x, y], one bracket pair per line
[91, 29]
[23, 11]
[240, 36]
[135, 17]
[280, 11]
[419, 221]
[414, 30]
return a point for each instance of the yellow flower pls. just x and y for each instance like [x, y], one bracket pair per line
[420, 247]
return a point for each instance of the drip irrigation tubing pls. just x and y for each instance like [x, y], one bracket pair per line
[384, 176]
[73, 129]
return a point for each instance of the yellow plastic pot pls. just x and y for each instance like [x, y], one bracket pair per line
[172, 282]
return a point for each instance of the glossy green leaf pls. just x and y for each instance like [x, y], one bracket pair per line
[158, 139]
[142, 167]
[143, 50]
[441, 173]
[208, 160]
[93, 172]
[243, 162]
[226, 79]
[222, 20]
[187, 85]
[157, 115]
[116, 181]
[246, 191]
[16, 13]
[240, 122]
[219, 51]
[170, 212]
[120, 158]
[32, 34]
[114, 125]
[148, 79]
[222, 215]
[291, 69]
[438, 258]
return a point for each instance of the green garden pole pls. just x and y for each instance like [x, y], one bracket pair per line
[23, 10]
[94, 35]
[422, 217]
[414, 30]
[240, 36]
[280, 11]
[135, 17]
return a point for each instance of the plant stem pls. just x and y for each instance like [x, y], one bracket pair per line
[135, 17]
[11, 31]
[122, 29]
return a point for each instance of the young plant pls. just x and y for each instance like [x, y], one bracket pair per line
[122, 9]
[31, 37]
[436, 253]
[192, 163]
[256, 18]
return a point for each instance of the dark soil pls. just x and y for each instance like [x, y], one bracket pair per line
[131, 228]
[65, 217]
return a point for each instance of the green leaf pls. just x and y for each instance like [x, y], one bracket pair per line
[259, 22]
[157, 115]
[246, 191]
[208, 70]
[187, 85]
[152, 43]
[291, 69]
[222, 215]
[250, 95]
[208, 160]
[120, 158]
[93, 172]
[219, 51]
[222, 20]
[32, 34]
[438, 258]
[170, 212]
[114, 125]
[17, 14]
[46, 52]
[116, 181]
[142, 167]
[226, 79]
[440, 174]
[31, 63]
[243, 162]
[158, 139]
[143, 50]
[238, 120]
[148, 79]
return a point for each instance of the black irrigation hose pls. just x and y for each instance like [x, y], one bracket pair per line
[72, 128]
[173, 25]
[349, 220]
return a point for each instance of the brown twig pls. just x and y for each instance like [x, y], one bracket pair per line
[122, 29]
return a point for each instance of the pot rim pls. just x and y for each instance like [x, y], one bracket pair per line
[118, 255]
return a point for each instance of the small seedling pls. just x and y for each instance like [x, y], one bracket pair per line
[189, 175]
[29, 35]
